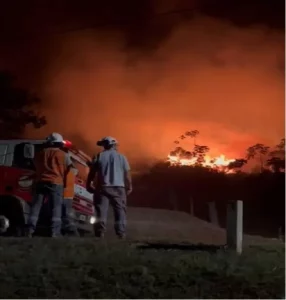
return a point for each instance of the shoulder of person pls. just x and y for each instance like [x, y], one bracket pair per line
[123, 156]
[64, 154]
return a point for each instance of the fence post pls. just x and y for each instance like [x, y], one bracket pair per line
[234, 230]
[213, 213]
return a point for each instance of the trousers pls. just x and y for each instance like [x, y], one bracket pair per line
[116, 196]
[68, 225]
[54, 194]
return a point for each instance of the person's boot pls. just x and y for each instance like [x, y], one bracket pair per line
[121, 236]
[28, 233]
[55, 235]
[99, 235]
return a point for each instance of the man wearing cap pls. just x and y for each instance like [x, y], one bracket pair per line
[51, 166]
[110, 175]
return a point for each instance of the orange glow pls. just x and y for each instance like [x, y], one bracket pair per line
[219, 163]
[206, 74]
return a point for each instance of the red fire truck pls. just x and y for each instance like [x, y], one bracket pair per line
[15, 186]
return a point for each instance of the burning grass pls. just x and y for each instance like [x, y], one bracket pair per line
[199, 156]
[85, 268]
[219, 163]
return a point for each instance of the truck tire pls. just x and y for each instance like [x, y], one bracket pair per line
[11, 209]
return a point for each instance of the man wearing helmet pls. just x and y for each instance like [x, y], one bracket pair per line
[51, 164]
[110, 175]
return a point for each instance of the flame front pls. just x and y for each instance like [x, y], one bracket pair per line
[219, 163]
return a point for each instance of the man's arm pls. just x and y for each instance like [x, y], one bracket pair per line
[127, 175]
[68, 161]
[91, 175]
[69, 167]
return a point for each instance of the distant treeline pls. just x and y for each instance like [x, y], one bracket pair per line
[189, 189]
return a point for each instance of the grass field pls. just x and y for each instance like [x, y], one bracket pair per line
[152, 263]
[86, 268]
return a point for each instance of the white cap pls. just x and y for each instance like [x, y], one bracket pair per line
[55, 138]
[108, 140]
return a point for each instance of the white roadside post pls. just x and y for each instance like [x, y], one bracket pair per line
[234, 230]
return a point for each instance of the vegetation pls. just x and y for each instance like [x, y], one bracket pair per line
[18, 108]
[267, 158]
[85, 268]
[194, 186]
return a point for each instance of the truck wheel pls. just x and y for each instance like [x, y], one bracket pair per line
[4, 224]
[11, 217]
[9, 228]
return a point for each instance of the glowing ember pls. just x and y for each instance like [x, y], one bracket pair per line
[219, 163]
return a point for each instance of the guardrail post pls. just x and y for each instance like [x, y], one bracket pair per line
[235, 226]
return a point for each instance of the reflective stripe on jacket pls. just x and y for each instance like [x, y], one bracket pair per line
[69, 184]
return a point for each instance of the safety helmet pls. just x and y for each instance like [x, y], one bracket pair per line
[107, 141]
[55, 138]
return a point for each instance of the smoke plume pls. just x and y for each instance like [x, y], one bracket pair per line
[227, 82]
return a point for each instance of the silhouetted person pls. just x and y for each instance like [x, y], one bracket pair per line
[51, 164]
[110, 175]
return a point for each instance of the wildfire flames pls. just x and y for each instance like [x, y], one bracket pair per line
[219, 163]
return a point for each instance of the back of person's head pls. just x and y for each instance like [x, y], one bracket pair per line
[108, 143]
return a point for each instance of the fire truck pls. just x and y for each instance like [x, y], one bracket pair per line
[16, 168]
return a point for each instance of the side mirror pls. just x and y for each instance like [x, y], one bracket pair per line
[29, 151]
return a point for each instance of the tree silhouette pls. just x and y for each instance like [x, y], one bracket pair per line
[277, 157]
[279, 150]
[260, 151]
[237, 164]
[281, 146]
[200, 153]
[178, 151]
[192, 134]
[17, 108]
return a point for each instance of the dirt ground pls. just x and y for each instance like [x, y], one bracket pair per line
[171, 226]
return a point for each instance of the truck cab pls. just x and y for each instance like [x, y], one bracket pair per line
[16, 187]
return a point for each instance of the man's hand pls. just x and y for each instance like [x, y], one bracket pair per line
[89, 182]
[128, 182]
[90, 189]
[129, 191]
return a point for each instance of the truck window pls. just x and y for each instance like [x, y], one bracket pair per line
[23, 163]
[3, 152]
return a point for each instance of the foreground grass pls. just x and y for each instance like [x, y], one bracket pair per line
[86, 268]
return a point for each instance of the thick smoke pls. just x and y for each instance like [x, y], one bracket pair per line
[224, 81]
